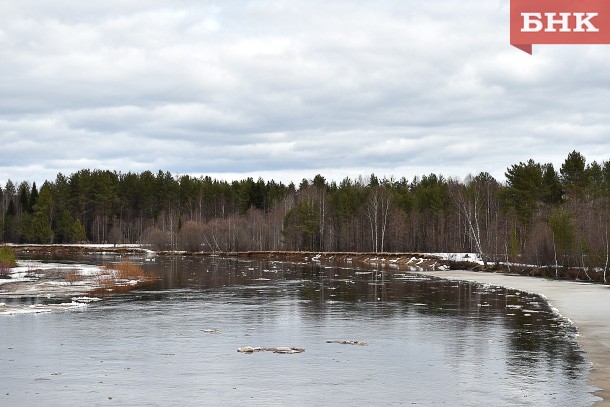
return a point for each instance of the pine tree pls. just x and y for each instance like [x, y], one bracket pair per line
[553, 192]
[33, 198]
[10, 226]
[525, 190]
[24, 198]
[574, 178]
[77, 232]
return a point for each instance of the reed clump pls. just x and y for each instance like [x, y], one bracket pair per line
[73, 277]
[121, 278]
[128, 270]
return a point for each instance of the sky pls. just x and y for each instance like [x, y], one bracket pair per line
[287, 89]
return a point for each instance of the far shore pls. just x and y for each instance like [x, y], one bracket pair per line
[586, 305]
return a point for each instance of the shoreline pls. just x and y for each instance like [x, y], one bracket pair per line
[586, 305]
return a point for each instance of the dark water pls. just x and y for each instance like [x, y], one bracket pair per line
[430, 342]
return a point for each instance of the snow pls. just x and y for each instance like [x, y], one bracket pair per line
[25, 267]
[470, 257]
[15, 278]
[40, 308]
[85, 299]
[31, 278]
[90, 245]
[98, 247]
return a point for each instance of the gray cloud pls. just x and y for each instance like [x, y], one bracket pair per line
[288, 88]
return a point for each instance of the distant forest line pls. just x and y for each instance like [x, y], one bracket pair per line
[539, 216]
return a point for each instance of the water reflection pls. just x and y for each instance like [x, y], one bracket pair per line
[431, 341]
[469, 311]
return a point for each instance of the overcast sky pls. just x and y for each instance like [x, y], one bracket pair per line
[286, 89]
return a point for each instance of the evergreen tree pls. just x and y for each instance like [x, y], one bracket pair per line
[605, 187]
[574, 178]
[10, 223]
[39, 229]
[319, 181]
[552, 192]
[301, 228]
[595, 178]
[525, 190]
[62, 227]
[24, 198]
[33, 197]
[77, 232]
[564, 240]
[36, 228]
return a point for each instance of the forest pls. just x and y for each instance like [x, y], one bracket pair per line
[539, 215]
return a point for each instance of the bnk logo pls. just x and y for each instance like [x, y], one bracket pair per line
[533, 23]
[559, 22]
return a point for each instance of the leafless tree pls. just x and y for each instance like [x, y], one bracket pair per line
[377, 210]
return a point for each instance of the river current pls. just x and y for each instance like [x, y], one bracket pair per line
[429, 342]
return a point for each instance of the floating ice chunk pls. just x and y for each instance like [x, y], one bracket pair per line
[279, 349]
[85, 300]
[344, 342]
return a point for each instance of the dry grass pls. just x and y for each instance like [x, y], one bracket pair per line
[73, 277]
[127, 270]
[121, 278]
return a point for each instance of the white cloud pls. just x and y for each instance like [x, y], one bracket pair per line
[282, 87]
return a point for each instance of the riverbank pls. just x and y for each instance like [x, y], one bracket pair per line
[586, 305]
[401, 261]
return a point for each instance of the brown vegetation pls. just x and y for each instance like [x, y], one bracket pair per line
[128, 270]
[73, 276]
[121, 277]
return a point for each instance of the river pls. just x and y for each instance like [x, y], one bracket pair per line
[428, 342]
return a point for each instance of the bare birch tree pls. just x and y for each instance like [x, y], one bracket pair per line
[377, 210]
[468, 197]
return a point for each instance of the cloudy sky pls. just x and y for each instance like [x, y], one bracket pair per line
[286, 89]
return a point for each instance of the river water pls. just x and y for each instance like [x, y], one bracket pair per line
[430, 342]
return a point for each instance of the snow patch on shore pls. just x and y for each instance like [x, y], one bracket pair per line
[39, 308]
[469, 257]
[31, 266]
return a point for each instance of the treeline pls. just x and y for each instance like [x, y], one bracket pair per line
[540, 215]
